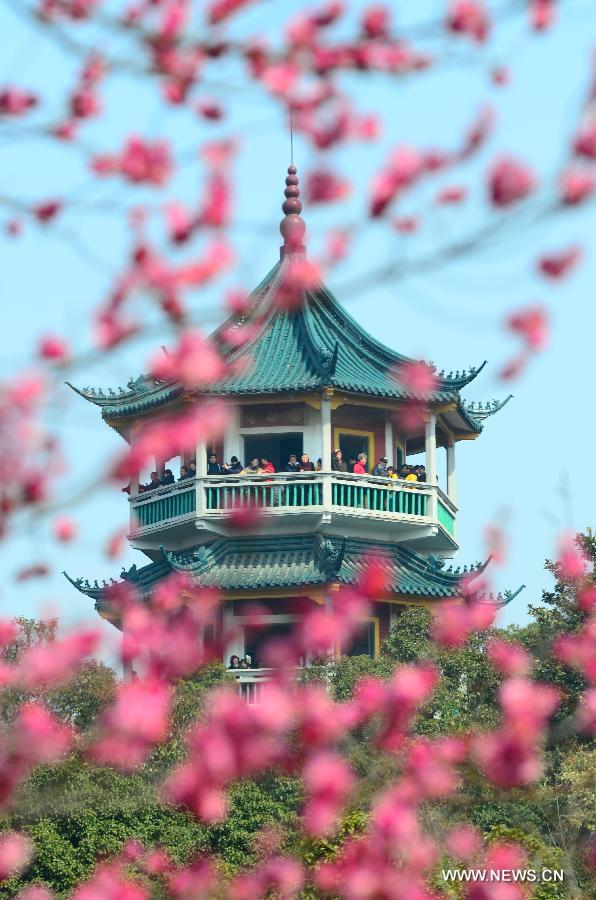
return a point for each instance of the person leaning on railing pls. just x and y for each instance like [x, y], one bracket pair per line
[253, 468]
[337, 461]
[213, 467]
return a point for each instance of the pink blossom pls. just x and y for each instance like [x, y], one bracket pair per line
[496, 543]
[140, 161]
[39, 736]
[137, 720]
[15, 852]
[531, 324]
[454, 622]
[479, 132]
[194, 363]
[180, 223]
[509, 657]
[451, 195]
[54, 348]
[586, 599]
[417, 377]
[558, 265]
[464, 842]
[35, 892]
[194, 882]
[215, 206]
[324, 186]
[64, 529]
[579, 650]
[406, 224]
[47, 664]
[404, 168]
[506, 759]
[585, 142]
[218, 10]
[47, 210]
[376, 21]
[470, 18]
[16, 102]
[501, 75]
[576, 185]
[509, 181]
[281, 877]
[527, 705]
[210, 109]
[328, 781]
[571, 562]
[37, 570]
[109, 882]
[515, 367]
[8, 632]
[542, 14]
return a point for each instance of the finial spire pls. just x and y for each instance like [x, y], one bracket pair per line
[292, 226]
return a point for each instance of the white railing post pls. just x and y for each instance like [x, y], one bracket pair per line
[430, 441]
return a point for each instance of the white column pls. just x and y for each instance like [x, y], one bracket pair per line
[451, 486]
[389, 439]
[233, 635]
[201, 458]
[201, 461]
[430, 440]
[134, 481]
[232, 439]
[326, 449]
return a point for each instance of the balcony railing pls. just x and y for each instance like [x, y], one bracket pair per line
[250, 683]
[215, 497]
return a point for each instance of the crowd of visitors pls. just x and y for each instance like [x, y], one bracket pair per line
[240, 663]
[303, 463]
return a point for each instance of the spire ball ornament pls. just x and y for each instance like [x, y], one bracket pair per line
[292, 226]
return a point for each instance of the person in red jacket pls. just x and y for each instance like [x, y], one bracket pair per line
[267, 466]
[360, 467]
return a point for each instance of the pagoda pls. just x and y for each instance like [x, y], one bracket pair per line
[307, 379]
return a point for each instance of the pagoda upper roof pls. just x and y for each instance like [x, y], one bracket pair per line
[314, 345]
[304, 346]
[259, 563]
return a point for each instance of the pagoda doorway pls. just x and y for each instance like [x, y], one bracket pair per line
[352, 442]
[275, 447]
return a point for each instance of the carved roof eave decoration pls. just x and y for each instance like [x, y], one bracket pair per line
[479, 412]
[291, 561]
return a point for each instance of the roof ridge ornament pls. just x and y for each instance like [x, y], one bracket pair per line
[292, 226]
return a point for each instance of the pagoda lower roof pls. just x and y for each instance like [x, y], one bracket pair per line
[238, 564]
[305, 347]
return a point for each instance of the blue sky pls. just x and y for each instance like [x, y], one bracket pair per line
[533, 467]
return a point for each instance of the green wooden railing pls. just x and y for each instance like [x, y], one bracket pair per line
[379, 498]
[263, 494]
[321, 490]
[162, 508]
[446, 518]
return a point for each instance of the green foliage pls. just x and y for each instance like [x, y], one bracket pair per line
[78, 814]
[272, 801]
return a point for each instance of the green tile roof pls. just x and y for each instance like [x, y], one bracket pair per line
[314, 345]
[253, 563]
